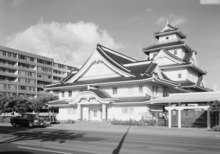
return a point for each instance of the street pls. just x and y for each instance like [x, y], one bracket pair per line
[90, 141]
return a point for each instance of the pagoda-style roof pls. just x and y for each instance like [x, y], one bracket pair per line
[126, 69]
[188, 65]
[114, 55]
[167, 30]
[140, 68]
[167, 45]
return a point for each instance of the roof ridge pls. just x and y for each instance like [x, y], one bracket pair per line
[117, 53]
[100, 50]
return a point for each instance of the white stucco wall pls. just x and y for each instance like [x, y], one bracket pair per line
[163, 39]
[192, 76]
[134, 112]
[173, 74]
[127, 91]
[101, 69]
[66, 94]
[179, 52]
[67, 114]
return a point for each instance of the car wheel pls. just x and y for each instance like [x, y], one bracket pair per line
[13, 124]
[30, 124]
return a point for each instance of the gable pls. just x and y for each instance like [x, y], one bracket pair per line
[99, 70]
[163, 58]
[99, 67]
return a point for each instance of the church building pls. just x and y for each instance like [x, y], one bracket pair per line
[113, 86]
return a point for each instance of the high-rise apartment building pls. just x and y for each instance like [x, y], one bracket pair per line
[23, 73]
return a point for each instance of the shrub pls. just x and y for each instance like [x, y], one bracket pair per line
[216, 128]
[142, 122]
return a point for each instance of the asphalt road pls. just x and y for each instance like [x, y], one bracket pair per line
[64, 141]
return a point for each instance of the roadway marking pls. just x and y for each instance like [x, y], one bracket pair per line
[45, 150]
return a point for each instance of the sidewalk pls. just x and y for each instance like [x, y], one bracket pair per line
[142, 130]
[145, 130]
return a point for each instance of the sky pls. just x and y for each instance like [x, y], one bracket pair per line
[69, 30]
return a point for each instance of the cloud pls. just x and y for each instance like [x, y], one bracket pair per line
[213, 85]
[69, 43]
[149, 9]
[16, 3]
[173, 19]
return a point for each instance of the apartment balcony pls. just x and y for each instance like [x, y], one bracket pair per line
[13, 67]
[33, 63]
[43, 72]
[44, 65]
[26, 76]
[8, 58]
[8, 74]
[27, 84]
[26, 69]
[45, 80]
[8, 82]
[61, 69]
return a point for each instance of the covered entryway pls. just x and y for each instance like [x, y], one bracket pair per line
[195, 106]
[92, 105]
[95, 113]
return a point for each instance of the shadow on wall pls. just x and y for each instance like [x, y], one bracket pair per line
[61, 136]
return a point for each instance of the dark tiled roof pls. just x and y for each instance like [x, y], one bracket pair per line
[197, 89]
[164, 45]
[172, 55]
[186, 83]
[116, 56]
[187, 57]
[133, 99]
[98, 81]
[99, 93]
[143, 68]
[68, 77]
[117, 62]
[184, 65]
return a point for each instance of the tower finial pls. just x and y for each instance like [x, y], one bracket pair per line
[167, 22]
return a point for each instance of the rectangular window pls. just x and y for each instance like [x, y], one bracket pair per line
[140, 89]
[62, 93]
[31, 59]
[4, 53]
[154, 90]
[179, 75]
[127, 110]
[115, 90]
[175, 52]
[95, 113]
[70, 93]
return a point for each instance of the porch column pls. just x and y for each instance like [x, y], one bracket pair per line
[79, 112]
[103, 111]
[208, 116]
[169, 117]
[179, 116]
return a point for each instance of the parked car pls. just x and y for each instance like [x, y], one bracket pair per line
[28, 119]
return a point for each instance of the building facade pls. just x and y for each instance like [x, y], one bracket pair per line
[23, 73]
[111, 85]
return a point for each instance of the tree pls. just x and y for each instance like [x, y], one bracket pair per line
[40, 103]
[22, 104]
[19, 104]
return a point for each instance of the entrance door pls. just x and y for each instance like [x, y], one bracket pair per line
[95, 114]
